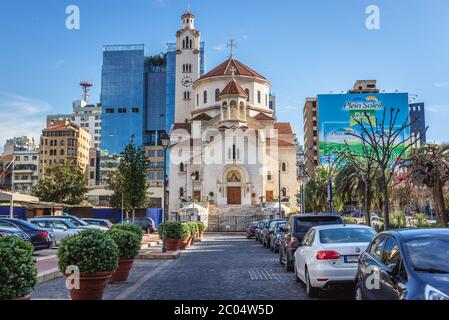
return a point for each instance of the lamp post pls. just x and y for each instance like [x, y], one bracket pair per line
[279, 187]
[193, 176]
[165, 141]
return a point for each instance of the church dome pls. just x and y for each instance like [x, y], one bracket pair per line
[233, 88]
[225, 69]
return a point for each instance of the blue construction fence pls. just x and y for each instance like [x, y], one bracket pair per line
[19, 212]
[116, 215]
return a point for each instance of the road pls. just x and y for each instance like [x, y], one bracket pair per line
[222, 267]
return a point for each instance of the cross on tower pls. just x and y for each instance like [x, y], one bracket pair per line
[188, 7]
[233, 70]
[231, 45]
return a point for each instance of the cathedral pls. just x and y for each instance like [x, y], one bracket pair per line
[226, 146]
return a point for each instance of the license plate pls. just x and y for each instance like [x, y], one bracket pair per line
[351, 259]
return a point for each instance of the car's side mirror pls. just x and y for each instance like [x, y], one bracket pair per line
[392, 269]
[278, 229]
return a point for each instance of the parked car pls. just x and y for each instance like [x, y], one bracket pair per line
[408, 264]
[251, 231]
[41, 239]
[99, 222]
[60, 228]
[80, 224]
[259, 228]
[147, 224]
[270, 229]
[275, 237]
[296, 228]
[328, 256]
[10, 231]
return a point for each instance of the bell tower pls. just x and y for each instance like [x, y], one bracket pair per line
[187, 67]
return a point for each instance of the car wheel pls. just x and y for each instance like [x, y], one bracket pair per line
[271, 248]
[311, 291]
[358, 292]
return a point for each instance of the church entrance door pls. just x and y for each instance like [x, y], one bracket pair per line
[234, 195]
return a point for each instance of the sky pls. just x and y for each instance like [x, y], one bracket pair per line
[303, 47]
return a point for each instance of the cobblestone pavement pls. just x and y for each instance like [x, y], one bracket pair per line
[222, 267]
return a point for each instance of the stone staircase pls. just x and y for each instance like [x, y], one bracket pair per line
[232, 218]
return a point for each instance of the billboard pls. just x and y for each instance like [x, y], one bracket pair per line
[337, 114]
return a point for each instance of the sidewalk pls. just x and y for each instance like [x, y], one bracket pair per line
[47, 268]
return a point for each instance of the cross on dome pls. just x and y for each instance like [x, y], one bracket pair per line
[231, 45]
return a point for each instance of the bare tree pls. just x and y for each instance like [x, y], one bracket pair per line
[386, 145]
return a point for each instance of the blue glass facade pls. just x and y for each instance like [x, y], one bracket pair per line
[418, 121]
[155, 95]
[171, 84]
[122, 96]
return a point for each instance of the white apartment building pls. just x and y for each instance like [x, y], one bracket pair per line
[25, 169]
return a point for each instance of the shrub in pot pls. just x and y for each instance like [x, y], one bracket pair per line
[17, 269]
[129, 227]
[95, 255]
[174, 231]
[186, 234]
[129, 245]
[201, 229]
[193, 231]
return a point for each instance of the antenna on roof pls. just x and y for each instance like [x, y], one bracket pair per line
[86, 88]
[231, 45]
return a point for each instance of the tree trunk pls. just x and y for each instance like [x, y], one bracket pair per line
[385, 200]
[440, 203]
[368, 202]
[134, 214]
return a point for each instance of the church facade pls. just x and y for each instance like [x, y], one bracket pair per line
[226, 144]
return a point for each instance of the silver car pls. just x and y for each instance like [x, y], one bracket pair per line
[60, 228]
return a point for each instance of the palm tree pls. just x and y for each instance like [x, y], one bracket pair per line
[431, 168]
[316, 191]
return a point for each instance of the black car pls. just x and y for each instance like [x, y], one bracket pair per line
[147, 224]
[275, 236]
[295, 230]
[258, 233]
[268, 231]
[14, 232]
[40, 238]
[251, 231]
[409, 264]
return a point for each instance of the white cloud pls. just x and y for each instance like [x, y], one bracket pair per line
[437, 108]
[58, 64]
[160, 3]
[219, 47]
[21, 116]
[441, 84]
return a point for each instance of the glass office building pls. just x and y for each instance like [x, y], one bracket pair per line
[122, 96]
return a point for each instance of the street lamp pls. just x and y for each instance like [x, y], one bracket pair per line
[193, 176]
[165, 141]
[279, 187]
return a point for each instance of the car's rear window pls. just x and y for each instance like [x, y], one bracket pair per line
[303, 224]
[347, 235]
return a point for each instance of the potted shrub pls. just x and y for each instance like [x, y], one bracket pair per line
[211, 197]
[96, 255]
[17, 269]
[186, 234]
[193, 231]
[129, 227]
[201, 229]
[174, 234]
[128, 246]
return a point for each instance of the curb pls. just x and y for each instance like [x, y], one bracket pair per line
[48, 275]
[151, 255]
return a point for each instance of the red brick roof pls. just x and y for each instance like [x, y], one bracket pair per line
[233, 88]
[225, 69]
[202, 117]
[187, 14]
[263, 116]
[181, 125]
[283, 128]
[279, 143]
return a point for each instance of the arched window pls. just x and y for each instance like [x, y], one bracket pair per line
[247, 94]
[217, 94]
[259, 97]
[184, 43]
[234, 152]
[233, 177]
[269, 175]
[186, 95]
[197, 100]
[181, 192]
[284, 167]
[205, 97]
[181, 167]
[197, 176]
[190, 44]
[284, 192]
